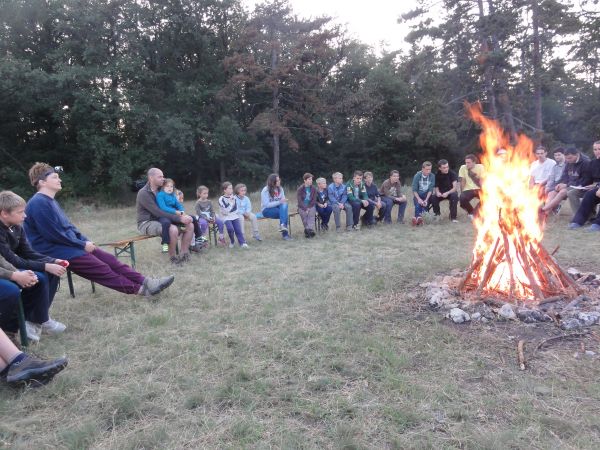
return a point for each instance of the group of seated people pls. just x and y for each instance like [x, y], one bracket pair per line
[160, 210]
[570, 175]
[38, 243]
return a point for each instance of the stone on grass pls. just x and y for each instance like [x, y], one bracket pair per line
[437, 299]
[459, 316]
[507, 312]
[589, 318]
[531, 315]
[476, 316]
[571, 324]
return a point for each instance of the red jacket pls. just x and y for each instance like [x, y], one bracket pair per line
[301, 193]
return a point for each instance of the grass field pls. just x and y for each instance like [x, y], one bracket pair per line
[322, 343]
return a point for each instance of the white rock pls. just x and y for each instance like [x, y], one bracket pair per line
[570, 324]
[484, 320]
[459, 316]
[507, 312]
[589, 318]
[476, 316]
[436, 300]
[590, 353]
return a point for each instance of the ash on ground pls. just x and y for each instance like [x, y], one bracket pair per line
[568, 313]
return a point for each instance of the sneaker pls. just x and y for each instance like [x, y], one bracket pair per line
[153, 286]
[349, 227]
[454, 221]
[420, 221]
[222, 242]
[282, 228]
[244, 245]
[34, 331]
[175, 261]
[287, 237]
[573, 226]
[593, 227]
[165, 248]
[257, 237]
[355, 228]
[196, 248]
[338, 229]
[471, 217]
[306, 233]
[311, 233]
[324, 226]
[231, 245]
[53, 327]
[414, 221]
[184, 258]
[200, 241]
[34, 369]
[437, 218]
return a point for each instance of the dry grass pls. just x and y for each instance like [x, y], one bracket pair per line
[306, 344]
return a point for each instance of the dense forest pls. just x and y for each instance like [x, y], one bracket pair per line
[208, 90]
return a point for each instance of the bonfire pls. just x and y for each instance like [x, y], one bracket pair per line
[509, 260]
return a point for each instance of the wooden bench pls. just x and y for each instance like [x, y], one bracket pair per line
[124, 247]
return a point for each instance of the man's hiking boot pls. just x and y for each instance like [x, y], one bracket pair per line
[32, 369]
[153, 286]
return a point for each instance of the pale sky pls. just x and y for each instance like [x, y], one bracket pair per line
[371, 21]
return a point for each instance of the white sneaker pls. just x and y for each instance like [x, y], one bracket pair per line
[454, 221]
[231, 245]
[34, 331]
[470, 216]
[244, 245]
[53, 327]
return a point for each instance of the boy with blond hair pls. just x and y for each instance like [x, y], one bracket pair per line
[244, 207]
[339, 201]
[44, 271]
[323, 204]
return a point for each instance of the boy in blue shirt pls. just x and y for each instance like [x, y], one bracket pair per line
[339, 201]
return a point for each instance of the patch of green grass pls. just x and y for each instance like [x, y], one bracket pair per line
[306, 344]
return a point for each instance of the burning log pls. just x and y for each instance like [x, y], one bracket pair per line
[508, 257]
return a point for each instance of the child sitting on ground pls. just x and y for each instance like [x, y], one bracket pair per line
[245, 209]
[167, 201]
[206, 214]
[230, 216]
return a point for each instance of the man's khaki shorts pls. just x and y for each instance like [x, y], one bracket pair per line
[150, 228]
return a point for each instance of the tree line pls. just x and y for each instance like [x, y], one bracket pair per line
[208, 90]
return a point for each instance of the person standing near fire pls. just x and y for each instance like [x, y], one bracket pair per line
[470, 176]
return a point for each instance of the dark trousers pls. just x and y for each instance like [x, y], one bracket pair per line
[356, 207]
[452, 198]
[105, 269]
[325, 214]
[36, 301]
[465, 201]
[586, 209]
[166, 224]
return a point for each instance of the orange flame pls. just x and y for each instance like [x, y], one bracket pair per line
[507, 223]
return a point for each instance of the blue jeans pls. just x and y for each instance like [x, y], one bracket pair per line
[325, 214]
[234, 228]
[278, 212]
[419, 210]
[389, 204]
[36, 301]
